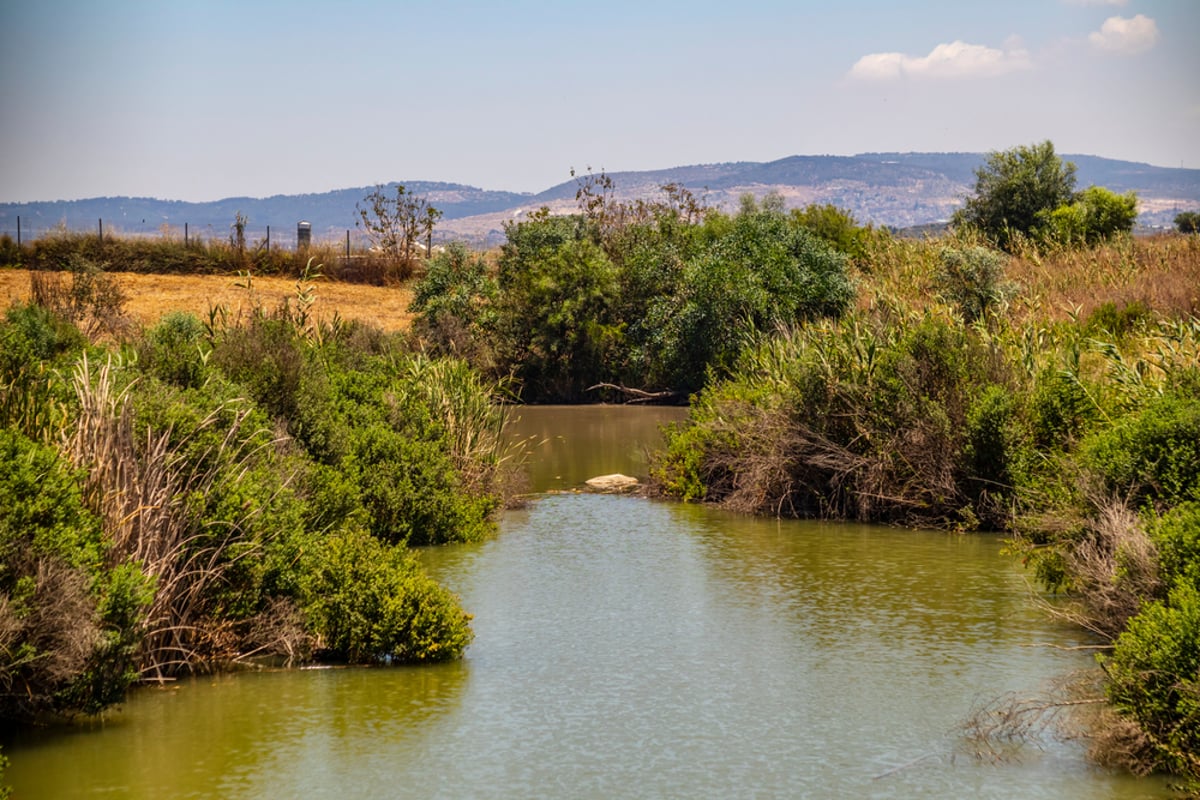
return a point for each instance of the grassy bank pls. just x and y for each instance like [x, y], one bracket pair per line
[215, 490]
[1052, 395]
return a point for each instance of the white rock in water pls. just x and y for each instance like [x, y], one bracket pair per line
[612, 483]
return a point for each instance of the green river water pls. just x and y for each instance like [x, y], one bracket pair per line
[631, 648]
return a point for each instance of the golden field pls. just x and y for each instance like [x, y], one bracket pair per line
[149, 297]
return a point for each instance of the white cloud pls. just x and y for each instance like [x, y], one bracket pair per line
[953, 60]
[1125, 36]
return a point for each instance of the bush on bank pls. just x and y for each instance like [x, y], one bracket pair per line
[1078, 436]
[214, 491]
[654, 296]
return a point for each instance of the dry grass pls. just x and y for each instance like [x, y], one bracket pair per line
[149, 297]
[1161, 272]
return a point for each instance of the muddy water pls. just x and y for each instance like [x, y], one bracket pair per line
[629, 648]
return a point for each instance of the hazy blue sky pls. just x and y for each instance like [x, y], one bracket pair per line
[204, 100]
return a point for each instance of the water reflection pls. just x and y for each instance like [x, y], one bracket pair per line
[625, 643]
[246, 735]
[569, 444]
[631, 648]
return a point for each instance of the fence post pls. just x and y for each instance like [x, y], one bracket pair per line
[100, 224]
[185, 235]
[347, 244]
[18, 231]
[268, 238]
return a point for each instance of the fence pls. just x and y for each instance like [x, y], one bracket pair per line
[267, 237]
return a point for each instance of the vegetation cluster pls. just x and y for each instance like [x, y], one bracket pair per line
[645, 298]
[214, 491]
[1036, 372]
[172, 254]
[1052, 392]
[1028, 193]
[215, 488]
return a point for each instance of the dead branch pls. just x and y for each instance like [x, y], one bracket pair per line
[637, 395]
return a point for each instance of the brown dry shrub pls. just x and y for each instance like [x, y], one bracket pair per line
[1114, 565]
[1120, 743]
[89, 298]
[139, 490]
[47, 644]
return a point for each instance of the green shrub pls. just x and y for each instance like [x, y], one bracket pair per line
[265, 355]
[758, 273]
[532, 240]
[836, 227]
[10, 254]
[1060, 410]
[1093, 215]
[453, 301]
[1151, 455]
[43, 510]
[1177, 536]
[972, 280]
[1118, 322]
[176, 350]
[30, 334]
[412, 492]
[68, 624]
[368, 602]
[991, 440]
[1188, 221]
[1154, 678]
[894, 425]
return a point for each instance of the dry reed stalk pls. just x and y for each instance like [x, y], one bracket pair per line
[1115, 569]
[1163, 272]
[139, 491]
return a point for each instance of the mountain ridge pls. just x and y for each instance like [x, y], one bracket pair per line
[894, 189]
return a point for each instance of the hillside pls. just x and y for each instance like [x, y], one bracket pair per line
[894, 189]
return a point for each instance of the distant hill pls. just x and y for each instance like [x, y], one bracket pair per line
[900, 190]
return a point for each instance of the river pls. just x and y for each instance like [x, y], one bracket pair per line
[632, 648]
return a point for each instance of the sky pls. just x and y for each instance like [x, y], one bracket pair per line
[207, 100]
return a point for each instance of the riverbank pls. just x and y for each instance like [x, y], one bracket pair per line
[956, 398]
[213, 490]
[625, 647]
[920, 383]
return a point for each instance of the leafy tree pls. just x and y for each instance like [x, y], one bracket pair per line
[836, 227]
[1014, 190]
[554, 320]
[533, 239]
[1188, 222]
[759, 272]
[453, 301]
[1096, 214]
[396, 224]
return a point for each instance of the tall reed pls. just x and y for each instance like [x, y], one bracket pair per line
[140, 489]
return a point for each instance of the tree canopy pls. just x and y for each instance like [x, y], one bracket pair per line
[1015, 189]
